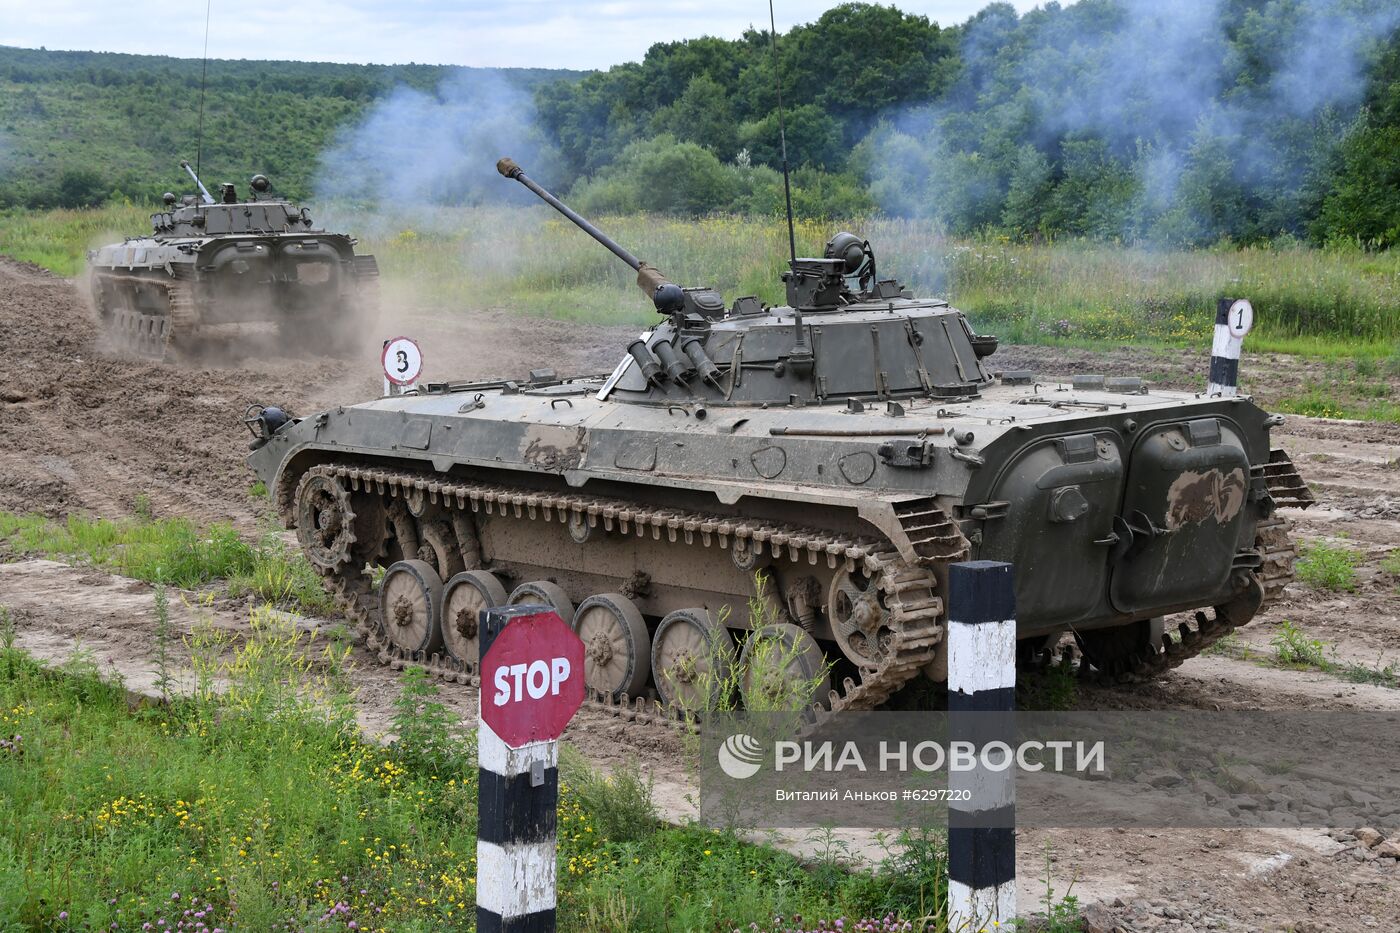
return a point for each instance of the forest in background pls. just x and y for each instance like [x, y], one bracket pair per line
[81, 128]
[1241, 121]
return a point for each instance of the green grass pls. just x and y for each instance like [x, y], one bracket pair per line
[1361, 388]
[1326, 566]
[173, 551]
[1021, 291]
[1319, 402]
[1335, 302]
[58, 240]
[280, 575]
[1294, 649]
[260, 805]
[170, 550]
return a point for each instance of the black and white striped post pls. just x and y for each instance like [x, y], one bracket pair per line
[981, 681]
[1233, 319]
[531, 684]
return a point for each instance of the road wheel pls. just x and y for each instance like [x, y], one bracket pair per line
[692, 656]
[410, 603]
[616, 646]
[782, 669]
[543, 593]
[463, 599]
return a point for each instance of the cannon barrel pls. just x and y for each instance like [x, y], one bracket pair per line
[649, 278]
[203, 191]
[510, 169]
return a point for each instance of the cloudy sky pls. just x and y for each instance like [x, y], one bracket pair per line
[543, 33]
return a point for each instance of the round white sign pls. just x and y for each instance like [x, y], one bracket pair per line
[403, 361]
[1240, 318]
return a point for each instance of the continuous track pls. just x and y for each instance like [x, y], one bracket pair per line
[1277, 556]
[909, 591]
[147, 334]
[1144, 664]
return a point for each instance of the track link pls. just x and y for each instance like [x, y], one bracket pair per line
[909, 591]
[148, 334]
[1276, 548]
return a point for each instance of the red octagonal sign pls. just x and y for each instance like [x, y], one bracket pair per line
[532, 679]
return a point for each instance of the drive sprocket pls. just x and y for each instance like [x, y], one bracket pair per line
[325, 521]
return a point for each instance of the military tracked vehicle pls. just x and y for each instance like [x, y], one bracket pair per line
[827, 459]
[230, 261]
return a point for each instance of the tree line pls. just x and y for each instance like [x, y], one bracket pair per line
[1135, 120]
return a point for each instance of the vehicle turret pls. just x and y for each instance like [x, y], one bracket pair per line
[844, 334]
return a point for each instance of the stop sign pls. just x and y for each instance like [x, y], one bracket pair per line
[531, 677]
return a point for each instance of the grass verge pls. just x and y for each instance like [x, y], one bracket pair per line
[1336, 304]
[259, 806]
[173, 551]
[1310, 300]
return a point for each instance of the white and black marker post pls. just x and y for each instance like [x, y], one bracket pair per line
[531, 685]
[982, 682]
[1233, 319]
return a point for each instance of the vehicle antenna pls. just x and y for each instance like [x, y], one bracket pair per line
[782, 132]
[203, 79]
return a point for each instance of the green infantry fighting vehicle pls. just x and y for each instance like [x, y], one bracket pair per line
[228, 261]
[830, 457]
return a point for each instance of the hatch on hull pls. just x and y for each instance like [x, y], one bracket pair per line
[1183, 518]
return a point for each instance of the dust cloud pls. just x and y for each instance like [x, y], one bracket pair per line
[409, 166]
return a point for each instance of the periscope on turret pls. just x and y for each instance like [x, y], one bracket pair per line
[829, 458]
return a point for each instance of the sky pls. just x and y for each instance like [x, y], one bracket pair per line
[489, 33]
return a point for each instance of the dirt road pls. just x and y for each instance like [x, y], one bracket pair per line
[83, 431]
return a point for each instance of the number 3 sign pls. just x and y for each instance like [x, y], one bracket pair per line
[403, 361]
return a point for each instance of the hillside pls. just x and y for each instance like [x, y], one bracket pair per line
[78, 127]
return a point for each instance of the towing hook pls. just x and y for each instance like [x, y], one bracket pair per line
[263, 421]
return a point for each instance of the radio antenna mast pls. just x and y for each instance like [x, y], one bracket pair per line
[782, 133]
[203, 79]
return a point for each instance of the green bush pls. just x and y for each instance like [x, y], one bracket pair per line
[1326, 566]
[662, 175]
[1293, 648]
[659, 174]
[620, 803]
